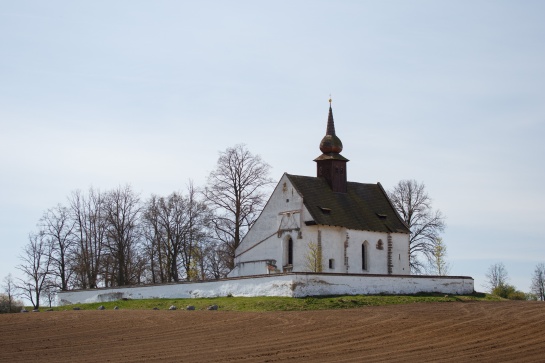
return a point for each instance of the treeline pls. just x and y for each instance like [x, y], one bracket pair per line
[116, 237]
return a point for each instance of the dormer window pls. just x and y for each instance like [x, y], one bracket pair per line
[325, 210]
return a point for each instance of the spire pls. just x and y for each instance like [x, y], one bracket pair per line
[331, 165]
[331, 143]
[330, 123]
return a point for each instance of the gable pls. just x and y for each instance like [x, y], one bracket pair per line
[363, 207]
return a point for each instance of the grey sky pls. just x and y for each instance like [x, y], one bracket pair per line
[147, 93]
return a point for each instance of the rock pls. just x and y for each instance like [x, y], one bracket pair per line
[49, 310]
[101, 307]
[172, 307]
[213, 307]
[190, 307]
[116, 308]
[76, 308]
[36, 310]
[155, 308]
[24, 310]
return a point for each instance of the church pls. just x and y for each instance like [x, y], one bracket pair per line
[325, 224]
[316, 236]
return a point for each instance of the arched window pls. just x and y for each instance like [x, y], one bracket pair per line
[364, 255]
[290, 251]
[380, 245]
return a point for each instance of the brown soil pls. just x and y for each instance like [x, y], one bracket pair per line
[476, 331]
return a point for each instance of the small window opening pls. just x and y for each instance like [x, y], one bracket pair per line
[364, 256]
[332, 263]
[287, 200]
[380, 245]
[382, 216]
[290, 251]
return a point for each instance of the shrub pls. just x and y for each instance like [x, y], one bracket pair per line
[5, 307]
[509, 292]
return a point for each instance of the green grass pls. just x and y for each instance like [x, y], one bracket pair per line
[281, 303]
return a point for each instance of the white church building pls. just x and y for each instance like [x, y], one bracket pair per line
[326, 224]
[316, 236]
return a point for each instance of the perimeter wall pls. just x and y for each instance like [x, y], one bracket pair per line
[290, 285]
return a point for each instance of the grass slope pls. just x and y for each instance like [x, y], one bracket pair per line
[281, 303]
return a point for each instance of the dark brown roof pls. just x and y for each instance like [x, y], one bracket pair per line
[364, 207]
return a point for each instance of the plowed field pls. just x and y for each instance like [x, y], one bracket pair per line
[462, 332]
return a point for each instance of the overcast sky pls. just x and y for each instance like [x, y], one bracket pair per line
[147, 93]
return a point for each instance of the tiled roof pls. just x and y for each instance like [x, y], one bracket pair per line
[364, 207]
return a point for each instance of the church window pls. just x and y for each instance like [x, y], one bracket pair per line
[290, 251]
[364, 255]
[380, 245]
[332, 263]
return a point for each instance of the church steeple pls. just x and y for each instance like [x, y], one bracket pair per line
[331, 165]
[331, 143]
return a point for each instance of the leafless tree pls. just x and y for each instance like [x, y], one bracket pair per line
[313, 258]
[235, 192]
[8, 286]
[538, 282]
[496, 276]
[413, 204]
[198, 218]
[154, 238]
[57, 225]
[122, 213]
[216, 258]
[49, 292]
[439, 264]
[90, 236]
[36, 268]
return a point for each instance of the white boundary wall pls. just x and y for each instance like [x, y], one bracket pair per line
[289, 285]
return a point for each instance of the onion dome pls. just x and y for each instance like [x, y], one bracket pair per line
[331, 143]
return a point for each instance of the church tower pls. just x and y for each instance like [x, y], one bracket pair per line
[331, 165]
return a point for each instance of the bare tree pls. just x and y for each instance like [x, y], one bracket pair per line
[198, 218]
[154, 236]
[90, 236]
[9, 304]
[538, 282]
[235, 193]
[49, 292]
[496, 276]
[36, 268]
[122, 213]
[439, 265]
[313, 258]
[216, 258]
[413, 204]
[57, 225]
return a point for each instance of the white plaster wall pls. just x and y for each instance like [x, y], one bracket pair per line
[294, 285]
[263, 242]
[283, 199]
[400, 253]
[377, 260]
[321, 284]
[253, 268]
